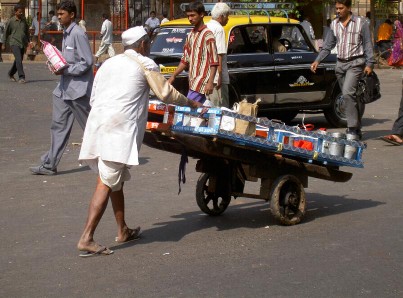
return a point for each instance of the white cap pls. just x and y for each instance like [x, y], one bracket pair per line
[130, 36]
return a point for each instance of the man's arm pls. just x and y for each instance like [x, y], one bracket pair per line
[184, 61]
[214, 63]
[368, 48]
[103, 29]
[219, 71]
[181, 67]
[26, 32]
[329, 43]
[221, 50]
[210, 84]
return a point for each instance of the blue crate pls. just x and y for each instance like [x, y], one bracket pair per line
[278, 138]
[183, 117]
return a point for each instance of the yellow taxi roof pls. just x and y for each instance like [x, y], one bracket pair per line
[235, 20]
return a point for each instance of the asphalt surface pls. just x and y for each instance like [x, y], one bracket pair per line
[349, 244]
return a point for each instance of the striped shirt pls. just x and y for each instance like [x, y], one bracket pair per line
[354, 40]
[200, 53]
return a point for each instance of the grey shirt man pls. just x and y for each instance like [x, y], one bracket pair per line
[70, 98]
[358, 43]
[76, 80]
[354, 56]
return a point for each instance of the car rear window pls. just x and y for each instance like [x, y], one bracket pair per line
[170, 41]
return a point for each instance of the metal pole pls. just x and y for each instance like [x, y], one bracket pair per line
[39, 19]
[127, 14]
[82, 9]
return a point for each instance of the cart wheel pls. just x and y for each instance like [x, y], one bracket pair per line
[209, 202]
[287, 200]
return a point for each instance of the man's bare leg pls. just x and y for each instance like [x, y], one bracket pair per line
[97, 207]
[118, 205]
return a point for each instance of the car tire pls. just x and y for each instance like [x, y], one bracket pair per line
[336, 115]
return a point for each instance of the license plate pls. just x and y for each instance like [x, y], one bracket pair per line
[167, 69]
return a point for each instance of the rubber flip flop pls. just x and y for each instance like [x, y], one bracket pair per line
[101, 251]
[135, 235]
[390, 141]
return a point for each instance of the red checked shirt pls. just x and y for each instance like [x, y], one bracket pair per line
[199, 53]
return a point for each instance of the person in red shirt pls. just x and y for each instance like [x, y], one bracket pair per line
[199, 43]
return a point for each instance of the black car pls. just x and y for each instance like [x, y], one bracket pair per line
[282, 80]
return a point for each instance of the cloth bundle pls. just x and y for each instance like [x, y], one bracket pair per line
[160, 86]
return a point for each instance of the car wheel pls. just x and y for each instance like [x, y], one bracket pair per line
[336, 114]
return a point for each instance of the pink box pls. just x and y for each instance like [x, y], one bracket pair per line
[56, 60]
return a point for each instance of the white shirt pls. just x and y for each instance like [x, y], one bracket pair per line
[153, 22]
[164, 20]
[219, 36]
[117, 121]
[35, 26]
[56, 21]
[106, 31]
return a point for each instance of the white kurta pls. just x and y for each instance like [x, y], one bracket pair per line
[117, 121]
[219, 36]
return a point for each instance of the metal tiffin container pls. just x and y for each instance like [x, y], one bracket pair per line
[350, 151]
[336, 148]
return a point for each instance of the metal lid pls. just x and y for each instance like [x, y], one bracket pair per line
[338, 135]
[351, 136]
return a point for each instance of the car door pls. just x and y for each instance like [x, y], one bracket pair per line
[295, 83]
[250, 65]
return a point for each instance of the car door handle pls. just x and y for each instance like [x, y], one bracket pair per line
[232, 62]
[279, 59]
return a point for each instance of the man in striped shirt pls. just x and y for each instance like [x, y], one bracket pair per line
[355, 55]
[199, 55]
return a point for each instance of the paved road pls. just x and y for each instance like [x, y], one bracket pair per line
[350, 243]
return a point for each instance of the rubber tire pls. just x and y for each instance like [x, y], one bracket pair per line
[282, 187]
[202, 196]
[335, 114]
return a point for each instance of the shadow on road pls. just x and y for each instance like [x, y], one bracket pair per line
[76, 170]
[249, 215]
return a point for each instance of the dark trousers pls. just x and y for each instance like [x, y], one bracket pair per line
[64, 113]
[17, 65]
[383, 46]
[398, 125]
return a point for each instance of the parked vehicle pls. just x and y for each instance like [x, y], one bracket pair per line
[257, 69]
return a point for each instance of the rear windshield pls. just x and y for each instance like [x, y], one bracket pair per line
[170, 41]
